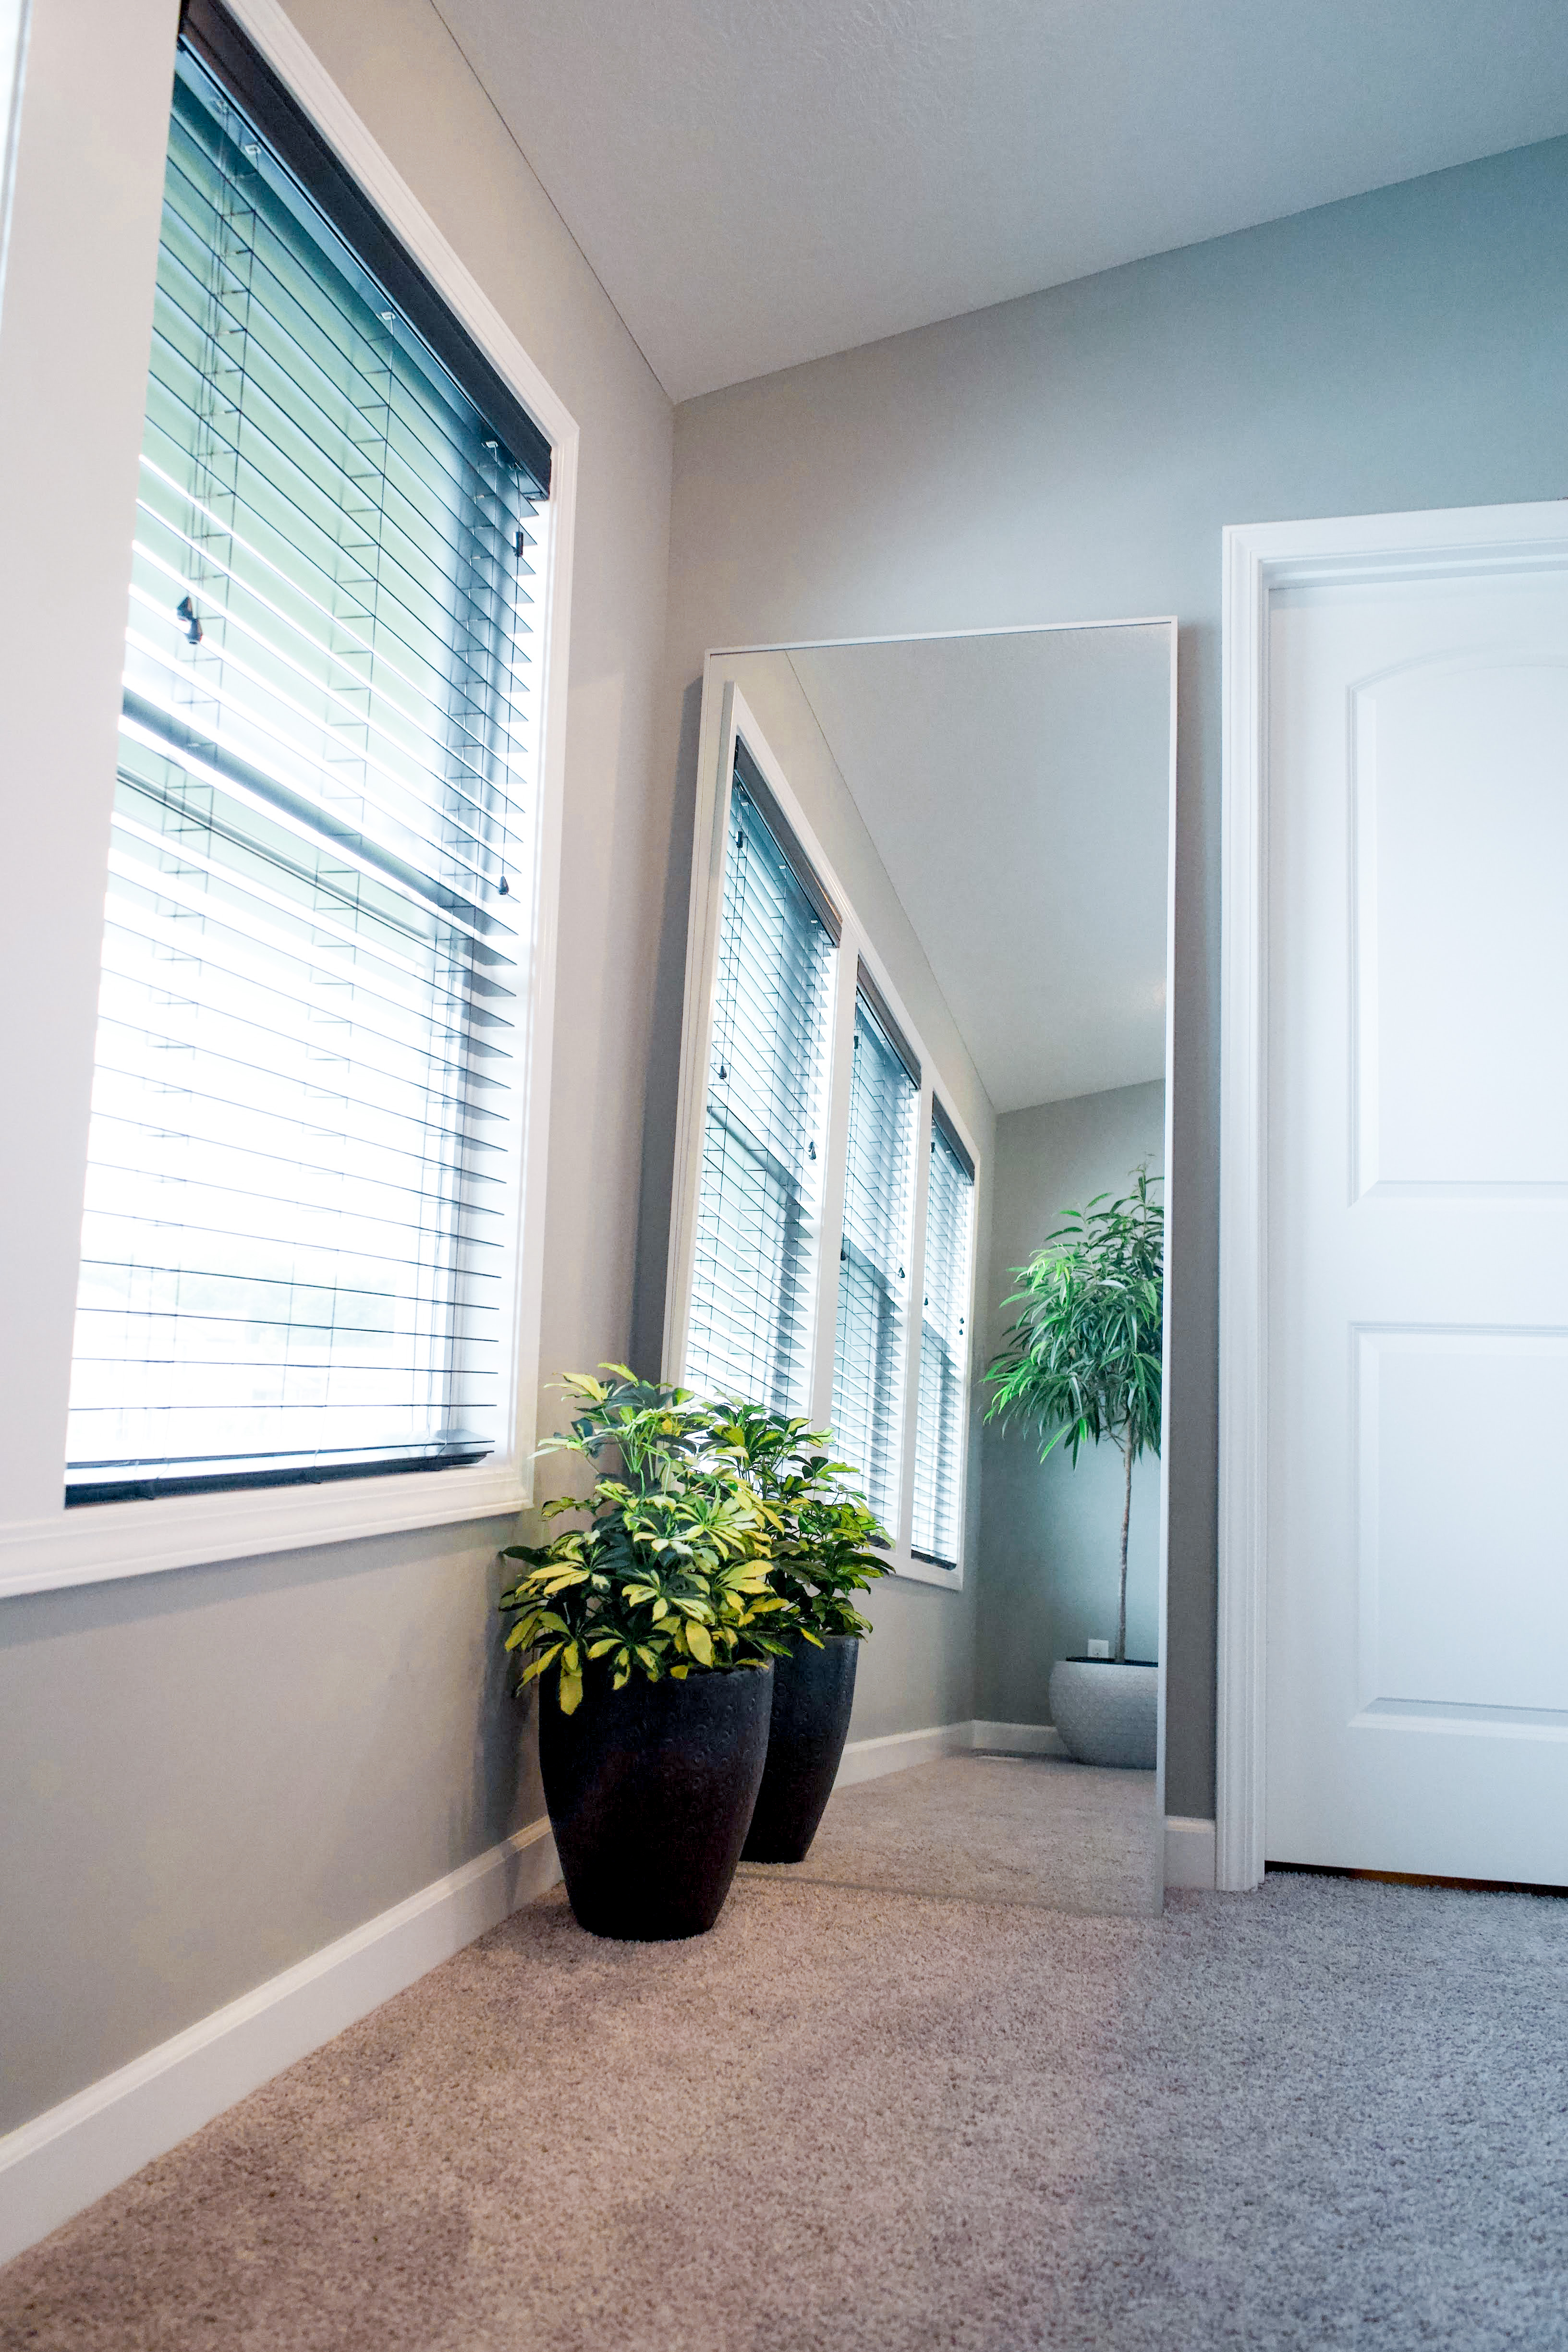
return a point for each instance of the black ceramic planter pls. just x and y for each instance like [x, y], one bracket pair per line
[813, 1693]
[650, 1790]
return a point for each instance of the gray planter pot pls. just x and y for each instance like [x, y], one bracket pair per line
[1107, 1713]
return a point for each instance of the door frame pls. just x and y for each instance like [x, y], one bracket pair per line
[1259, 560]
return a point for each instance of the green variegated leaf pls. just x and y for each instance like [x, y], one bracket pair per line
[719, 1527]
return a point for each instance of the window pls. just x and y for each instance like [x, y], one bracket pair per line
[295, 1251]
[755, 1260]
[873, 1270]
[945, 1346]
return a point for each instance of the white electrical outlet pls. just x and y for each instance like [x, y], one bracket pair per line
[1098, 1649]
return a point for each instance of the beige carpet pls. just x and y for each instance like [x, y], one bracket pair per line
[1327, 2114]
[984, 1829]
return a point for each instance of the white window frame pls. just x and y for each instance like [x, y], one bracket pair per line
[725, 716]
[42, 1549]
[14, 16]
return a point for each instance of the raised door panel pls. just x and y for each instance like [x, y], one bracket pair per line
[1459, 820]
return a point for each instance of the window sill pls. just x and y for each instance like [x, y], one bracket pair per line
[94, 1544]
[908, 1570]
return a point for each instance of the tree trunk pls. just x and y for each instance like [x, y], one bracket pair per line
[1126, 1516]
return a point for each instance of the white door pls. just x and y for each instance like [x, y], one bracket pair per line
[1417, 1219]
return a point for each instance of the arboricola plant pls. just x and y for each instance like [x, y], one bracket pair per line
[669, 1574]
[1082, 1362]
[823, 1538]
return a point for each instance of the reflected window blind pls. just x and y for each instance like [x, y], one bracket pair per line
[293, 1249]
[755, 1260]
[944, 1352]
[873, 1269]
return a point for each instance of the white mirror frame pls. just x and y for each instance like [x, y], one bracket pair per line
[1189, 1844]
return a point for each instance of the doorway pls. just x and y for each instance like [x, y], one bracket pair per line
[1393, 1610]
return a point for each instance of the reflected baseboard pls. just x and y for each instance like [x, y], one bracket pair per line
[869, 1759]
[1019, 1739]
[896, 1751]
[1189, 1852]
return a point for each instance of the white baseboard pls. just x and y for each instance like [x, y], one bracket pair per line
[1189, 1852]
[869, 1759]
[1020, 1739]
[73, 2154]
[64, 2160]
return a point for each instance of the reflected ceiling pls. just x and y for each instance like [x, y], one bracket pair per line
[1017, 790]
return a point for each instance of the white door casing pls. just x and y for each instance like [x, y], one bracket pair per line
[1393, 1568]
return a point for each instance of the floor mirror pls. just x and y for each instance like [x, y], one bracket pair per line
[920, 1174]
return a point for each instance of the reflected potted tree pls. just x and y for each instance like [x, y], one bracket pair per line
[1081, 1365]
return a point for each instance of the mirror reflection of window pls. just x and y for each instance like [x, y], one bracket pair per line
[944, 1347]
[874, 1254]
[754, 1267]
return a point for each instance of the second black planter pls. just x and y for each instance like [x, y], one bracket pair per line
[650, 1790]
[813, 1693]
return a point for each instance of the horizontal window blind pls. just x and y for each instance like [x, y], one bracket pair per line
[755, 1258]
[294, 1246]
[945, 1353]
[873, 1270]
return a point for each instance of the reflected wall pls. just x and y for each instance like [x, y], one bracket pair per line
[1048, 1531]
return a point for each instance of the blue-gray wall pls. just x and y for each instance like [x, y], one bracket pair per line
[1074, 456]
[1049, 1534]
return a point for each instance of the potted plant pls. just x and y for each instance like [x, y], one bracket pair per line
[650, 1630]
[824, 1542]
[1082, 1362]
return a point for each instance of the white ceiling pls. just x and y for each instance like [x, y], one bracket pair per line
[759, 182]
[1017, 789]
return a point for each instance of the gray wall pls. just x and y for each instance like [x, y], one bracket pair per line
[1074, 457]
[212, 1772]
[1050, 1533]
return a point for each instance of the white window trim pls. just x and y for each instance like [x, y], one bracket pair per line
[92, 1543]
[725, 715]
